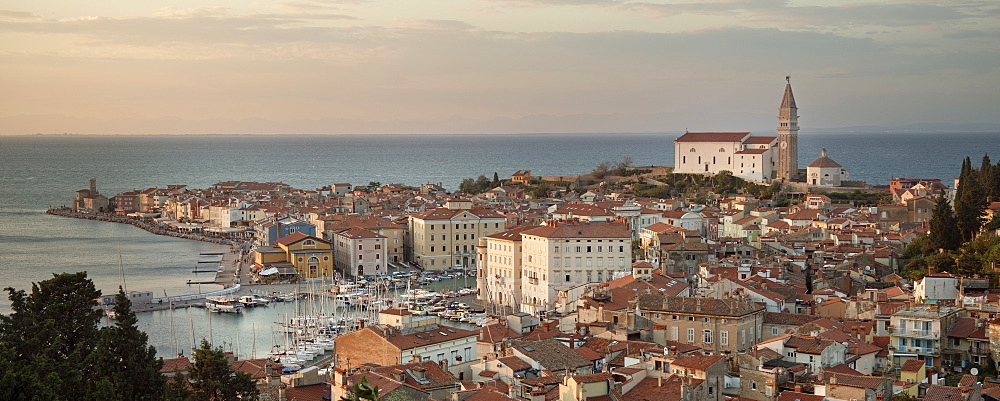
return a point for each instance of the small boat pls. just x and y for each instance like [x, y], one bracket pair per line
[223, 304]
[249, 301]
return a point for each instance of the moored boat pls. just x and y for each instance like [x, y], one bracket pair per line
[223, 304]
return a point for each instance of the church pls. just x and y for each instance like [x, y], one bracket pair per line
[757, 158]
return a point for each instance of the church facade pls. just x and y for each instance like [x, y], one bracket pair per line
[758, 158]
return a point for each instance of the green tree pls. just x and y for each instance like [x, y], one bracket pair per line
[540, 192]
[989, 368]
[212, 378]
[482, 184]
[362, 391]
[987, 178]
[48, 336]
[124, 357]
[970, 202]
[944, 232]
[496, 179]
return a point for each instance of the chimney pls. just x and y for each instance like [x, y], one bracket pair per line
[93, 185]
[833, 379]
[361, 324]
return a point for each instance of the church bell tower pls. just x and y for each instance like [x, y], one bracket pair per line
[788, 136]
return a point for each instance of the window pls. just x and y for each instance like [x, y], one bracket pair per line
[588, 249]
[724, 337]
[378, 246]
[707, 336]
[673, 333]
[690, 334]
[567, 278]
[774, 331]
[359, 247]
[753, 386]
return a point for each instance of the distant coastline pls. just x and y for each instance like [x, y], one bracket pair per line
[915, 128]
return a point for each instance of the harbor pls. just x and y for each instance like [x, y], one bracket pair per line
[287, 316]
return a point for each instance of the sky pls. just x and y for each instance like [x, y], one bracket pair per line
[492, 66]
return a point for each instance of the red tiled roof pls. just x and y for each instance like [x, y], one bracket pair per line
[712, 137]
[760, 140]
[912, 365]
[597, 229]
[179, 364]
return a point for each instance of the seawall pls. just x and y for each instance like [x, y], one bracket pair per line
[151, 226]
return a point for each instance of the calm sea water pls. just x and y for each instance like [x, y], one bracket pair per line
[37, 172]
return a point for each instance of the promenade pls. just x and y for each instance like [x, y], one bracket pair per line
[151, 226]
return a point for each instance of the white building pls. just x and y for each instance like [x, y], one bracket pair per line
[936, 286]
[824, 172]
[359, 252]
[560, 253]
[499, 272]
[756, 158]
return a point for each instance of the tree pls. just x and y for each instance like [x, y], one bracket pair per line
[540, 192]
[496, 179]
[944, 232]
[124, 356]
[212, 379]
[482, 184]
[48, 336]
[362, 391]
[467, 186]
[970, 202]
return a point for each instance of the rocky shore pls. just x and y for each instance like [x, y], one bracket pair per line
[148, 225]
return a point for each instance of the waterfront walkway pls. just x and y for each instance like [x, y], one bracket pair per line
[152, 226]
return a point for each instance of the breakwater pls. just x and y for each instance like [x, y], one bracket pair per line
[152, 226]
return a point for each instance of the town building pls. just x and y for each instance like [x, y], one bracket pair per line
[824, 172]
[447, 237]
[360, 252]
[89, 200]
[310, 256]
[920, 333]
[564, 253]
[499, 268]
[756, 158]
[386, 345]
[716, 325]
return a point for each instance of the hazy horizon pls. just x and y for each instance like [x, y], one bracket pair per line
[493, 66]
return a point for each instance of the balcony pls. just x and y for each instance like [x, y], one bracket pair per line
[923, 351]
[914, 333]
[984, 351]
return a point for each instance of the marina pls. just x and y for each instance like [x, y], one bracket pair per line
[292, 323]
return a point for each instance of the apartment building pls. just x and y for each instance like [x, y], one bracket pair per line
[499, 273]
[447, 237]
[360, 252]
[920, 333]
[716, 325]
[561, 253]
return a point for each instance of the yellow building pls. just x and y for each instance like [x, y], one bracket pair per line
[310, 256]
[447, 237]
[911, 374]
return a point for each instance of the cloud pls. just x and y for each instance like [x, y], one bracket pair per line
[18, 14]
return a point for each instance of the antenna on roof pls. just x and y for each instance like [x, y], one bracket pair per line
[788, 78]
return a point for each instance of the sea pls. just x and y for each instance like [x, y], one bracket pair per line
[42, 171]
